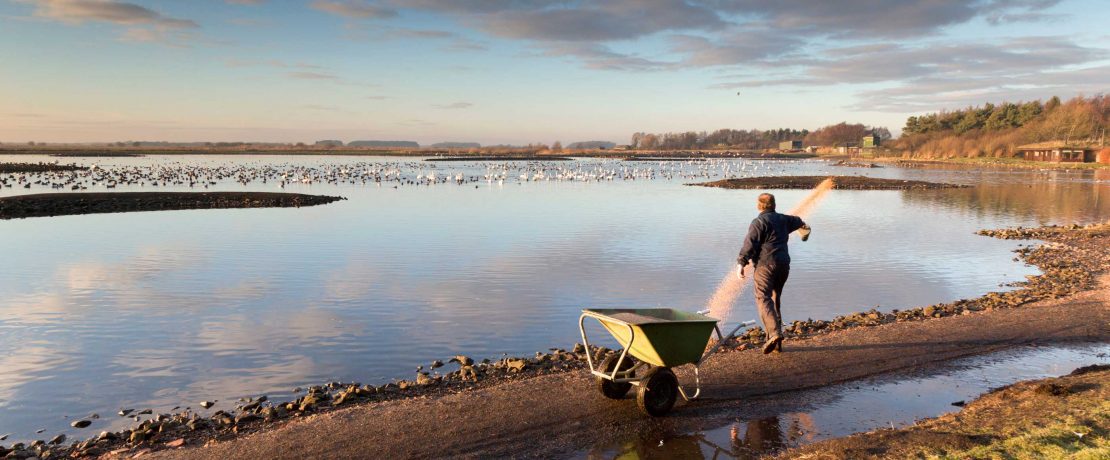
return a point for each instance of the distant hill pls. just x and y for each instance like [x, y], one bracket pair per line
[383, 144]
[586, 145]
[457, 145]
[329, 143]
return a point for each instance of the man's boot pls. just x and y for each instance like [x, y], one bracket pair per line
[772, 345]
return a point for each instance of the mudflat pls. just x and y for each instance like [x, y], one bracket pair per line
[62, 204]
[16, 168]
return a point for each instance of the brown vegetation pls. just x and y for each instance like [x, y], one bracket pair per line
[998, 130]
[755, 139]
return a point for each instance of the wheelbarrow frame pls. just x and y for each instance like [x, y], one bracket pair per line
[625, 376]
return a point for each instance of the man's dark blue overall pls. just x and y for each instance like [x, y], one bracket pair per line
[765, 245]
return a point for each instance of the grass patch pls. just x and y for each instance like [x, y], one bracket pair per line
[1073, 437]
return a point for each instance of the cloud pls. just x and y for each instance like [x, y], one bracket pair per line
[735, 48]
[354, 9]
[377, 98]
[234, 62]
[457, 41]
[708, 33]
[1003, 12]
[141, 24]
[300, 75]
[454, 106]
[78, 11]
[246, 2]
[927, 94]
[601, 57]
[928, 75]
[417, 122]
[590, 21]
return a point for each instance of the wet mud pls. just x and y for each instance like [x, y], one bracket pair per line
[64, 204]
[1063, 415]
[18, 168]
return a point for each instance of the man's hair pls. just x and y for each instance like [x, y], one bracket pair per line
[766, 202]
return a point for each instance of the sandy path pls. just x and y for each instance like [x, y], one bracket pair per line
[561, 414]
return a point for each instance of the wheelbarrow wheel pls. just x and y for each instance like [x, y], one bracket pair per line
[609, 388]
[658, 392]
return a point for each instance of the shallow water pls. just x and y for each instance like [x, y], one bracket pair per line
[165, 309]
[841, 410]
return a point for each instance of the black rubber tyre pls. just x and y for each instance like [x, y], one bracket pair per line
[658, 392]
[609, 388]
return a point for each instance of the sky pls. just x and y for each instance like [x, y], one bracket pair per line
[522, 71]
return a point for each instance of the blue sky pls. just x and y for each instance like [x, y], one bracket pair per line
[518, 71]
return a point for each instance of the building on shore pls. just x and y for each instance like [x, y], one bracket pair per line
[1059, 151]
[790, 146]
[1103, 156]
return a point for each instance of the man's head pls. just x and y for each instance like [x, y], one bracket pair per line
[766, 202]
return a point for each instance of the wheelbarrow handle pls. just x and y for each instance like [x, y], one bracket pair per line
[586, 345]
[721, 339]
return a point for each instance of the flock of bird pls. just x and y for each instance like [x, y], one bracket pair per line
[394, 174]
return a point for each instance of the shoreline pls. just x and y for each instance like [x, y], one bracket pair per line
[1069, 264]
[985, 163]
[1065, 415]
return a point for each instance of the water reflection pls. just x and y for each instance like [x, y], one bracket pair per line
[805, 417]
[1036, 202]
[164, 309]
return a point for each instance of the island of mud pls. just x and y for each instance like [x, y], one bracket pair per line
[107, 154]
[18, 168]
[841, 183]
[62, 204]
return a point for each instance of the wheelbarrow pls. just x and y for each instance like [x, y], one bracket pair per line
[654, 340]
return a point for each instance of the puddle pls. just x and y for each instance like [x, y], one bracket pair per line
[854, 407]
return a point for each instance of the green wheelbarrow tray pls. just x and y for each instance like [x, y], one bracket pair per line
[659, 337]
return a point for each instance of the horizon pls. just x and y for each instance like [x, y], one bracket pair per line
[97, 71]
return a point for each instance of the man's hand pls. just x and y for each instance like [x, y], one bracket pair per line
[740, 272]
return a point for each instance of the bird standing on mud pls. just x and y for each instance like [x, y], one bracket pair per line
[766, 247]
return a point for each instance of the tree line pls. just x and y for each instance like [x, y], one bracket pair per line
[998, 130]
[838, 134]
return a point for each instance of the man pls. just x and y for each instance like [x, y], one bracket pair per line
[765, 246]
